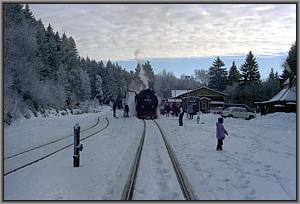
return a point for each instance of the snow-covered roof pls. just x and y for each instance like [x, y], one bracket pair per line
[176, 93]
[286, 82]
[216, 102]
[286, 94]
[189, 91]
[205, 98]
[205, 87]
[174, 100]
[291, 103]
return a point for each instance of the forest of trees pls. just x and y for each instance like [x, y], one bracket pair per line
[244, 85]
[44, 70]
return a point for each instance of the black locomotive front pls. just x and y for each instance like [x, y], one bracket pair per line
[146, 104]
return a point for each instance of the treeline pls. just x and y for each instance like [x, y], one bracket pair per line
[244, 84]
[43, 70]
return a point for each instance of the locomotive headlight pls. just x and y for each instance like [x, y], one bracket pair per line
[142, 106]
[152, 106]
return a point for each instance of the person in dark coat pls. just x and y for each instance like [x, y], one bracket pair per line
[177, 110]
[114, 109]
[181, 113]
[126, 111]
[167, 109]
[173, 109]
[220, 134]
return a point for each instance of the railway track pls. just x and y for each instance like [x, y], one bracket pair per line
[53, 150]
[181, 178]
[51, 142]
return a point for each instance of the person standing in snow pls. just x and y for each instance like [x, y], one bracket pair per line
[114, 109]
[126, 109]
[181, 113]
[190, 110]
[162, 109]
[221, 132]
[167, 109]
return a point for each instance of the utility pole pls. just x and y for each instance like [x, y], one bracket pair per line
[187, 97]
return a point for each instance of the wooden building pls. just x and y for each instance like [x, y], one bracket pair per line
[206, 98]
[284, 101]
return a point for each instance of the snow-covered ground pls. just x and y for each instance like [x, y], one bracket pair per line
[258, 161]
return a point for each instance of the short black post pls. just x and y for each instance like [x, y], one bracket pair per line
[77, 147]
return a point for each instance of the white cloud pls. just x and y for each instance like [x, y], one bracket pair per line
[115, 31]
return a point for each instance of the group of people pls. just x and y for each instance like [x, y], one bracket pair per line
[167, 109]
[126, 110]
[178, 110]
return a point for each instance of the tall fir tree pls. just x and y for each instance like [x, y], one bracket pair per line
[290, 65]
[271, 74]
[98, 88]
[218, 75]
[149, 73]
[234, 74]
[271, 86]
[249, 70]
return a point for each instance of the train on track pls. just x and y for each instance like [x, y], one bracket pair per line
[146, 104]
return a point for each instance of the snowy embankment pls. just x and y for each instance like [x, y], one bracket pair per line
[258, 161]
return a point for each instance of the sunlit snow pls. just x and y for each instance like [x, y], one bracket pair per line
[258, 161]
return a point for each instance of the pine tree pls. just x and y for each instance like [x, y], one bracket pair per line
[149, 74]
[218, 75]
[271, 75]
[98, 87]
[28, 14]
[271, 86]
[20, 61]
[249, 70]
[290, 65]
[234, 75]
[277, 76]
[71, 63]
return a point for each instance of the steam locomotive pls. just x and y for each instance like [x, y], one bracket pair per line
[146, 104]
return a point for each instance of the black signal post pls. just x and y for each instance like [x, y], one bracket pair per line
[77, 146]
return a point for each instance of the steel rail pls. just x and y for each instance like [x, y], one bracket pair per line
[183, 182]
[48, 143]
[52, 153]
[129, 186]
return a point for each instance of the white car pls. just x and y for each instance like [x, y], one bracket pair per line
[238, 112]
[216, 110]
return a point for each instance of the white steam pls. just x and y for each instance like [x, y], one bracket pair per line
[142, 74]
[143, 77]
[130, 98]
[136, 87]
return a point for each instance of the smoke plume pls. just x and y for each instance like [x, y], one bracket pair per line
[142, 74]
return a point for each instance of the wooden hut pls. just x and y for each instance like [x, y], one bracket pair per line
[206, 97]
[283, 101]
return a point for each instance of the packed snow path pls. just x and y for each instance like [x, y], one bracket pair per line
[258, 161]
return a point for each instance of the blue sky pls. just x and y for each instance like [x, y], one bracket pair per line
[176, 37]
[187, 66]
